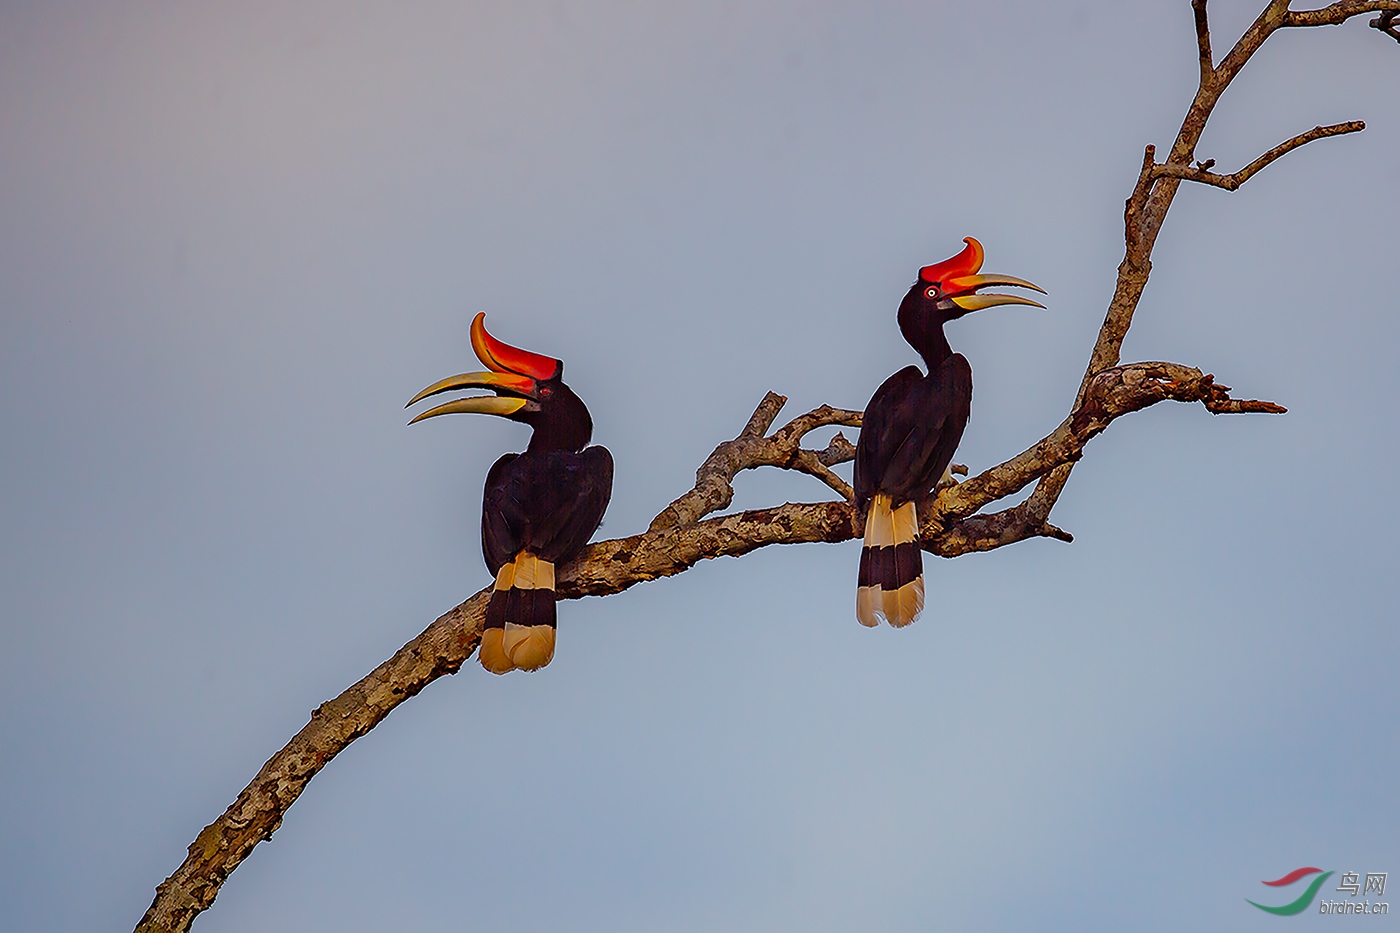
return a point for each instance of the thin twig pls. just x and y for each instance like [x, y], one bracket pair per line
[1201, 171]
[1388, 24]
[1203, 42]
[762, 418]
[1137, 203]
[809, 462]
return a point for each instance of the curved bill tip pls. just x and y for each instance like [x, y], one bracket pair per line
[510, 381]
[978, 302]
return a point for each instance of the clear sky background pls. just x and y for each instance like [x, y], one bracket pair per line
[236, 237]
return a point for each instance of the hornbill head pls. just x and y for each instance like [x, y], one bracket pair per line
[528, 388]
[950, 288]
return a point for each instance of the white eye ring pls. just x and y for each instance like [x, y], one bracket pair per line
[932, 292]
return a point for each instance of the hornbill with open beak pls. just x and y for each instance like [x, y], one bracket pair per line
[911, 428]
[540, 507]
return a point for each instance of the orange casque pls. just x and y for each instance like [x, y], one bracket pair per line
[503, 358]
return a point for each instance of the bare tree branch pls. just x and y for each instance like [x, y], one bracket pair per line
[1203, 41]
[1201, 172]
[1388, 24]
[681, 535]
[1152, 196]
[714, 488]
[1336, 13]
[1110, 394]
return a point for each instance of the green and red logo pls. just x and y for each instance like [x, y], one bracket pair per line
[1304, 900]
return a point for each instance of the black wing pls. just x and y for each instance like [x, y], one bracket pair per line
[502, 515]
[550, 502]
[572, 507]
[880, 432]
[910, 430]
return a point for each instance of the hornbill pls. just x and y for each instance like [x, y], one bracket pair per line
[540, 507]
[910, 429]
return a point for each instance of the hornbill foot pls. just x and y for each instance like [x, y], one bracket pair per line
[947, 479]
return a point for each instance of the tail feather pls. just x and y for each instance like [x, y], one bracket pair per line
[906, 604]
[891, 585]
[869, 606]
[520, 618]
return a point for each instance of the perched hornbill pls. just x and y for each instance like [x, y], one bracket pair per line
[540, 507]
[909, 432]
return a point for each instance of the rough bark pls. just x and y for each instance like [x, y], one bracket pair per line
[682, 534]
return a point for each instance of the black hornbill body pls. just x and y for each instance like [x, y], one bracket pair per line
[910, 430]
[540, 507]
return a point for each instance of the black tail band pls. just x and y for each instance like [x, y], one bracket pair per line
[521, 607]
[890, 567]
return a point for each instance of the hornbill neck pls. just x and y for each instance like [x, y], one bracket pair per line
[923, 329]
[563, 423]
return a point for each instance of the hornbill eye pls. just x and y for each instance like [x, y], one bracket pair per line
[932, 292]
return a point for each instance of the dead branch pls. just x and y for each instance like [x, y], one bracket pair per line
[1200, 172]
[714, 488]
[1110, 394]
[1198, 7]
[1152, 196]
[681, 535]
[1387, 24]
[1336, 13]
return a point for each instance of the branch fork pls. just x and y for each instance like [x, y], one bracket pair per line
[714, 481]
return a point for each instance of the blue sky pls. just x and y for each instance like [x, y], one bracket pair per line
[236, 238]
